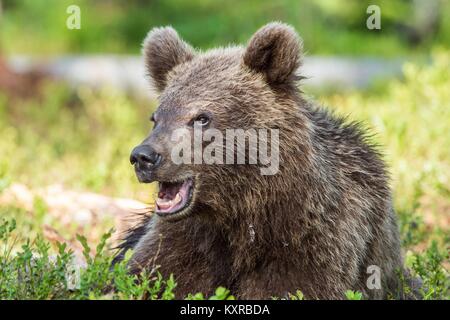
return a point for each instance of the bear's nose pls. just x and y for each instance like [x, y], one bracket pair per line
[144, 155]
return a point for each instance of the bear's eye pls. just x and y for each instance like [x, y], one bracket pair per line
[202, 119]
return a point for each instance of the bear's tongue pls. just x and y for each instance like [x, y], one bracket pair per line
[168, 190]
[172, 196]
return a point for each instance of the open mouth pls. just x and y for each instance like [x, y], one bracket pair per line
[174, 198]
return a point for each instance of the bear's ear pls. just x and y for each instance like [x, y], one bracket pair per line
[163, 50]
[274, 50]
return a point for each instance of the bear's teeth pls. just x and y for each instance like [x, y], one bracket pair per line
[177, 199]
[164, 204]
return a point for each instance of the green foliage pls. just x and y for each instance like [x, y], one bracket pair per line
[222, 294]
[429, 267]
[297, 296]
[35, 272]
[353, 295]
[411, 222]
[32, 272]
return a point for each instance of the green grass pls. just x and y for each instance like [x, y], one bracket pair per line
[82, 139]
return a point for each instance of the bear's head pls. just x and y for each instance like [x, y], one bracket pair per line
[204, 96]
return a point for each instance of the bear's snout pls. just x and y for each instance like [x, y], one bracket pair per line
[145, 160]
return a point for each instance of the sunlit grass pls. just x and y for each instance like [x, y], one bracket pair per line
[80, 139]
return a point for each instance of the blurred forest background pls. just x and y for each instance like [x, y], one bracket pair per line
[64, 148]
[327, 26]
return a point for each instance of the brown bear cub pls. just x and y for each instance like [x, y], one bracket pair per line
[322, 224]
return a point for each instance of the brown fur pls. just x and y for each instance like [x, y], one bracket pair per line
[315, 226]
